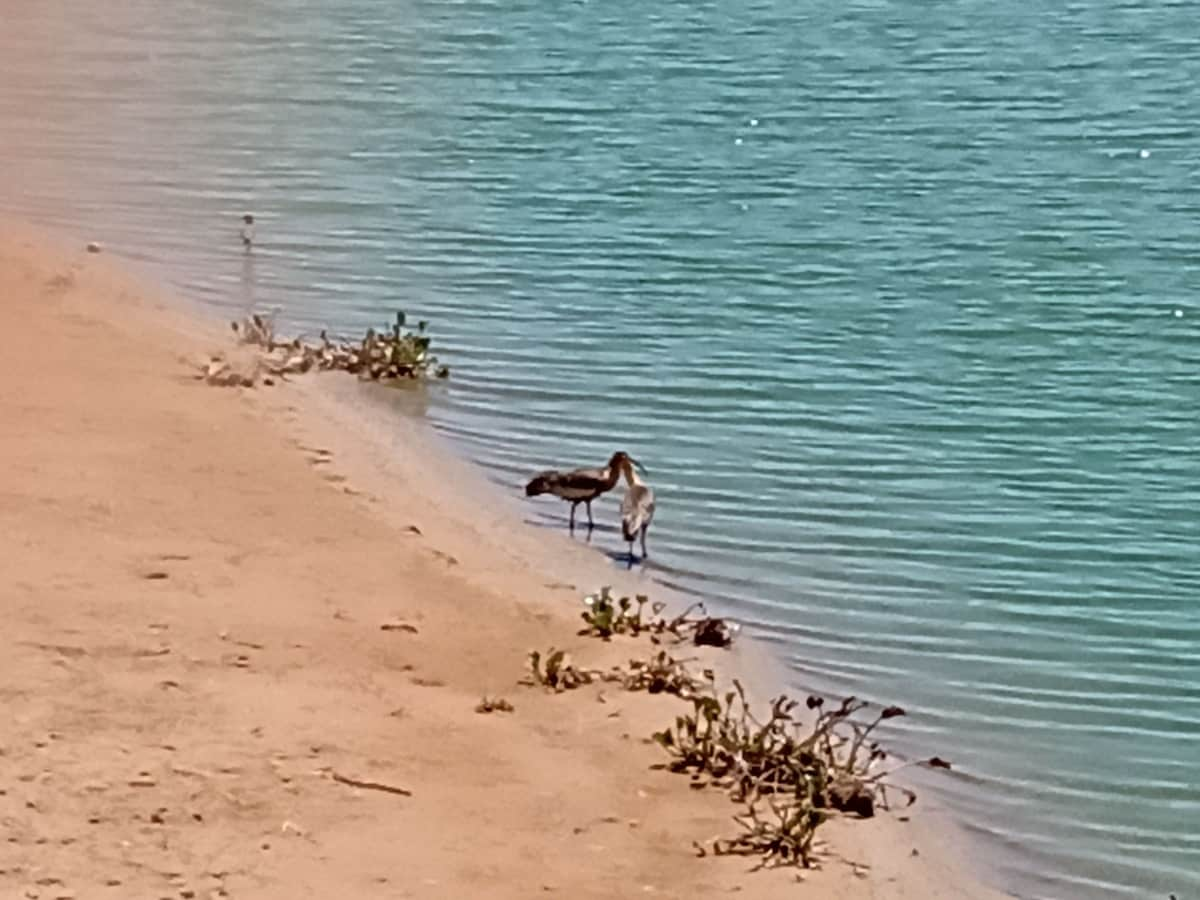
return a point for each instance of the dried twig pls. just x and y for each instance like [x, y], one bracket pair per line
[370, 785]
[398, 626]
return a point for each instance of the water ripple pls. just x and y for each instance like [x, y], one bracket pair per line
[892, 303]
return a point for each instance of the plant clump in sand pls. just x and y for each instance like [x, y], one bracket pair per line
[789, 772]
[392, 354]
[658, 674]
[605, 617]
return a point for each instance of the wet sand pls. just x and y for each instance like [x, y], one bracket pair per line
[195, 666]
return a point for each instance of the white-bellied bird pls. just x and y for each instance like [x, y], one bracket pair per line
[637, 508]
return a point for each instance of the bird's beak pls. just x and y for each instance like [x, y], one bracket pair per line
[638, 466]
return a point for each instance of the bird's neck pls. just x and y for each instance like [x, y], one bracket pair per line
[631, 475]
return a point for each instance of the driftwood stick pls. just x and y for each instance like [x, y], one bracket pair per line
[370, 785]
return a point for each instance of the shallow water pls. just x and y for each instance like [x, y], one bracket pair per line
[896, 302]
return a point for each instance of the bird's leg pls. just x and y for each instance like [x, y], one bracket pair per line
[631, 556]
[591, 524]
[643, 545]
[572, 525]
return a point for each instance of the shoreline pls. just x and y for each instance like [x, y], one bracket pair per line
[309, 552]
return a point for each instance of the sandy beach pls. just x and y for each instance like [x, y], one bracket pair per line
[195, 667]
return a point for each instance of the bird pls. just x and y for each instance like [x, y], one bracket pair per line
[580, 485]
[637, 509]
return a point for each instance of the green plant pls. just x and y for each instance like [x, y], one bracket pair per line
[800, 773]
[397, 353]
[605, 617]
[790, 772]
[659, 674]
[387, 355]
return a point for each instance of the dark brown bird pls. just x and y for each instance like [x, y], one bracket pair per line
[580, 485]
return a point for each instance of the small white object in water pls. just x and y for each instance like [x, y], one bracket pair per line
[754, 123]
[1144, 154]
[1179, 313]
[738, 141]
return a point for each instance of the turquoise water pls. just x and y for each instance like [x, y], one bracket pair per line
[897, 302]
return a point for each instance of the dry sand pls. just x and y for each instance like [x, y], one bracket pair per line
[192, 595]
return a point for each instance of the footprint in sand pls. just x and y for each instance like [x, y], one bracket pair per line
[156, 574]
[319, 455]
[60, 283]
